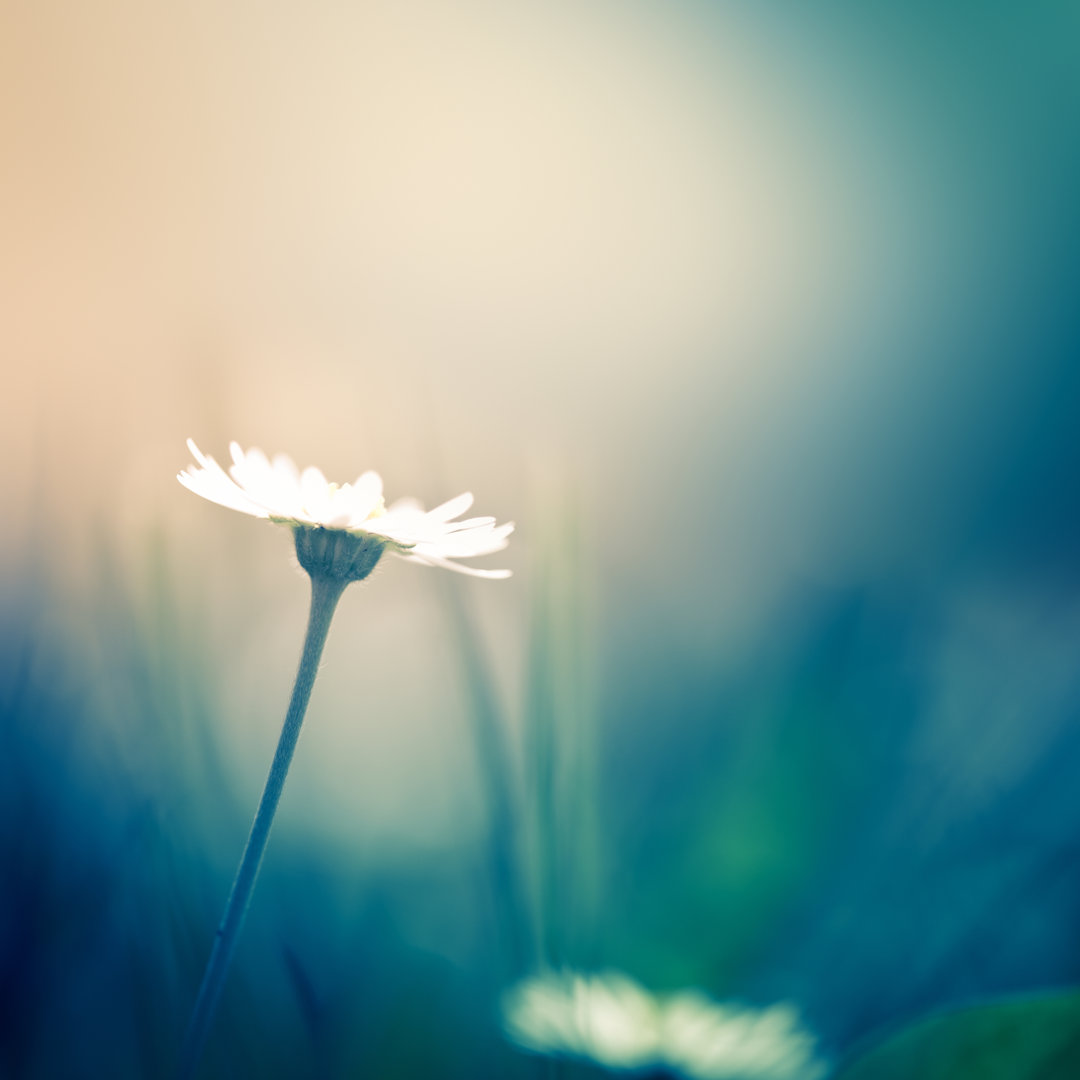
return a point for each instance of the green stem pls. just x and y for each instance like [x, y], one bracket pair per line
[325, 593]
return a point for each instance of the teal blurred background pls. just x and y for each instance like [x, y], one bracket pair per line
[761, 323]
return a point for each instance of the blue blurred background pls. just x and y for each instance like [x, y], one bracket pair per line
[762, 325]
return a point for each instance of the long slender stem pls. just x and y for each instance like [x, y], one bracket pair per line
[325, 593]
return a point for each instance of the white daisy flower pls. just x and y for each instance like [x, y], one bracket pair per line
[341, 533]
[608, 1020]
[344, 529]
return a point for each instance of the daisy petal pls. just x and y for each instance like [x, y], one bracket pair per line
[276, 489]
[446, 564]
[452, 507]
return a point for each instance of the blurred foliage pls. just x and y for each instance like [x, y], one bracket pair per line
[1037, 1038]
[765, 832]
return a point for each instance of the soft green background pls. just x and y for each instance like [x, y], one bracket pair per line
[761, 325]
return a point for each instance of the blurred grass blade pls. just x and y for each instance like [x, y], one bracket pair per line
[497, 774]
[560, 777]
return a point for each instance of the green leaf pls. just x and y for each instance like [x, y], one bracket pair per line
[1034, 1038]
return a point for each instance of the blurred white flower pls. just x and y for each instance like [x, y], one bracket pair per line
[278, 491]
[608, 1019]
[710, 1041]
[612, 1022]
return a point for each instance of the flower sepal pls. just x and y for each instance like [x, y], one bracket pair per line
[337, 554]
